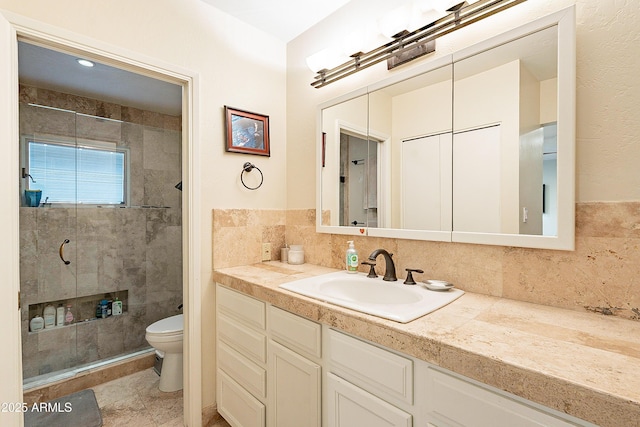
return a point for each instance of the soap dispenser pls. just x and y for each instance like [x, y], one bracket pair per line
[352, 258]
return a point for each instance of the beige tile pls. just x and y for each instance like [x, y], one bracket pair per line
[163, 407]
[601, 275]
[272, 217]
[175, 422]
[230, 218]
[217, 421]
[137, 398]
[238, 235]
[126, 413]
[600, 219]
[304, 217]
[113, 391]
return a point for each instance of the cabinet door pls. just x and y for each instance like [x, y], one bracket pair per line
[294, 389]
[236, 405]
[350, 406]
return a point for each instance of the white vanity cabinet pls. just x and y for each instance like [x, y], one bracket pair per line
[373, 386]
[365, 383]
[269, 364]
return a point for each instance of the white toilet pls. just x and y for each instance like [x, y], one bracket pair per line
[165, 335]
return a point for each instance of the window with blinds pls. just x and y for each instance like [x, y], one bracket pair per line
[77, 174]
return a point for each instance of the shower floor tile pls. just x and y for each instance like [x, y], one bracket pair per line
[136, 400]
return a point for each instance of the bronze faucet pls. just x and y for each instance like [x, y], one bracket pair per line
[390, 267]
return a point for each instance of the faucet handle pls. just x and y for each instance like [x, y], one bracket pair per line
[372, 270]
[409, 280]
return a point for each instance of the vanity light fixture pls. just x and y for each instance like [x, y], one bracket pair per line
[85, 62]
[407, 46]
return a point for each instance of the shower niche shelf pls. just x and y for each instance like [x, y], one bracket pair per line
[83, 308]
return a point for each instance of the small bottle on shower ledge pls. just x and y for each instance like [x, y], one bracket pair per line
[68, 317]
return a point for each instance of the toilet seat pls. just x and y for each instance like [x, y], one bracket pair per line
[169, 327]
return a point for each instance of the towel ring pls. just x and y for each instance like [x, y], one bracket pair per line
[248, 167]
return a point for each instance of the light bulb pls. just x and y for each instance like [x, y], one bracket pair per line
[394, 22]
[326, 59]
[85, 62]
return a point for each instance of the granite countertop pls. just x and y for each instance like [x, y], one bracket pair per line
[584, 364]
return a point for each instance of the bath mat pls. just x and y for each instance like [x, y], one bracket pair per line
[77, 409]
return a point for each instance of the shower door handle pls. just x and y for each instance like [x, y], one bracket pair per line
[62, 252]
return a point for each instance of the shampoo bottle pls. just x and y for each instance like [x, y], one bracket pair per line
[116, 307]
[352, 258]
[103, 308]
[60, 315]
[37, 323]
[49, 316]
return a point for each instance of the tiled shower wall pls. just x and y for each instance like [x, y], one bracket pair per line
[600, 276]
[137, 248]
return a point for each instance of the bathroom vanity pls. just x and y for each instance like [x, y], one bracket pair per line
[288, 360]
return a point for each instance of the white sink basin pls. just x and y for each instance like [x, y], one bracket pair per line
[390, 300]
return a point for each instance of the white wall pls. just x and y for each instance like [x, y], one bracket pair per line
[422, 112]
[484, 99]
[549, 101]
[238, 66]
[607, 107]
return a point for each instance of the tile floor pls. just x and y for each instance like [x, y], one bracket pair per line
[135, 400]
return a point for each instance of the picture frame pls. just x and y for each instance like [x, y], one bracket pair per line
[247, 132]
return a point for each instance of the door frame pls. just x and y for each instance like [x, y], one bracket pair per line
[12, 28]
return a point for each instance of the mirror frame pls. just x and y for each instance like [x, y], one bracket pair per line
[565, 239]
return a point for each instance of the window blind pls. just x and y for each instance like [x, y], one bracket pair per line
[70, 174]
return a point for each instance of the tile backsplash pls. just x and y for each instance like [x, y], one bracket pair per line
[600, 276]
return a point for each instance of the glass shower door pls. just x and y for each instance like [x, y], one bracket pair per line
[48, 251]
[108, 227]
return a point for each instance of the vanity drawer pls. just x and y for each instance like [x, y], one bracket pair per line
[483, 407]
[245, 372]
[241, 307]
[237, 406]
[297, 333]
[379, 371]
[348, 405]
[244, 340]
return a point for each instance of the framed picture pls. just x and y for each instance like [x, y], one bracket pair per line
[247, 132]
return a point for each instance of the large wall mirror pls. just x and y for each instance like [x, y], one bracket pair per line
[476, 147]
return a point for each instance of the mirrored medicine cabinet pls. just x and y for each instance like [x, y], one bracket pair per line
[474, 147]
